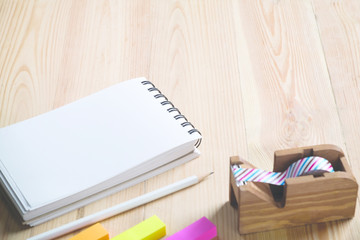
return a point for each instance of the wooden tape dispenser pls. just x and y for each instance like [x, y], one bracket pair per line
[302, 200]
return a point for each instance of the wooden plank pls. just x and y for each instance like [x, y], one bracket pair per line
[54, 52]
[193, 57]
[222, 63]
[339, 29]
[70, 49]
[288, 99]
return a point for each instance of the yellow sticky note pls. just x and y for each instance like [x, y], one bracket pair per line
[95, 232]
[150, 229]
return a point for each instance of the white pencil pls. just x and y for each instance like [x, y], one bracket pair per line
[122, 207]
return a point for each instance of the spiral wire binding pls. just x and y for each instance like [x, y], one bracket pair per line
[173, 109]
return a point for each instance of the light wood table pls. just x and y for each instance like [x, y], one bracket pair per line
[252, 76]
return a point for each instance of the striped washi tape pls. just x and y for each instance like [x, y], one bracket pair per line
[304, 166]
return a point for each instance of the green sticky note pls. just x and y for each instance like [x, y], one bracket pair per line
[150, 229]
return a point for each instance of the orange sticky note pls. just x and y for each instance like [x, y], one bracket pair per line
[95, 232]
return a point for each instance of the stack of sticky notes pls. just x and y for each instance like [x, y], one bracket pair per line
[202, 229]
[95, 232]
[150, 229]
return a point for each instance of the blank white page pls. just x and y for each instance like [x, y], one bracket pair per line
[84, 143]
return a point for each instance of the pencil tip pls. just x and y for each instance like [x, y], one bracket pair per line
[205, 176]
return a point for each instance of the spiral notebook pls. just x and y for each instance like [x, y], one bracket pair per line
[73, 155]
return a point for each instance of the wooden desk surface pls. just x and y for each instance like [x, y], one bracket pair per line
[253, 76]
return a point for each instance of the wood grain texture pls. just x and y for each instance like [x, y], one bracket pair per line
[252, 76]
[288, 98]
[339, 30]
[302, 200]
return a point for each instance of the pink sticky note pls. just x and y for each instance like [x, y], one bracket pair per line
[202, 229]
